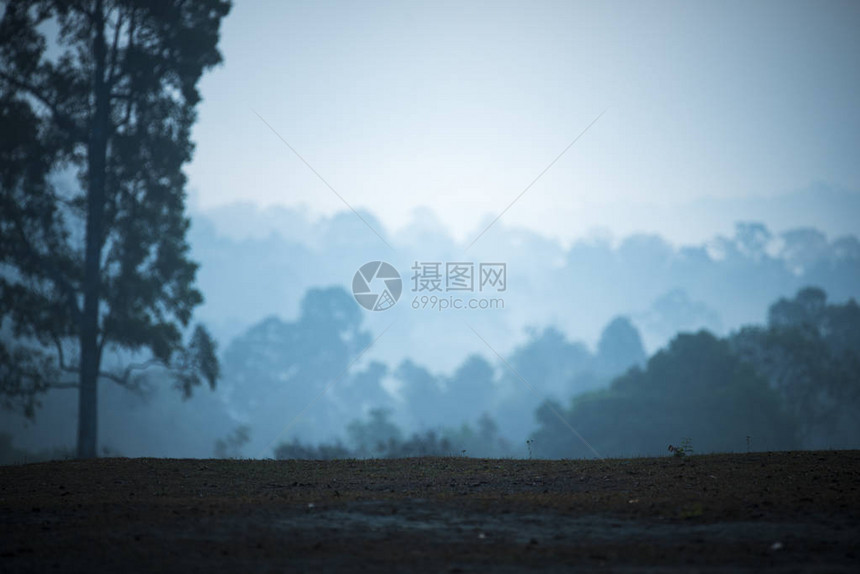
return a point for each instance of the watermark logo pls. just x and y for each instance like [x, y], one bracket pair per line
[452, 279]
[377, 286]
[437, 285]
[459, 276]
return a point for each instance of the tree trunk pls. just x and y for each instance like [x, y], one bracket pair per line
[89, 328]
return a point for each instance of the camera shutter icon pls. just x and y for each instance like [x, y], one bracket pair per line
[377, 286]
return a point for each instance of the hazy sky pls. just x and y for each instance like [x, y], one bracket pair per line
[458, 106]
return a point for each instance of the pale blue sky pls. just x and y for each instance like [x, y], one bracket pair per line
[457, 106]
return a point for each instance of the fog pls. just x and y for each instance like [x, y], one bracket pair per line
[304, 365]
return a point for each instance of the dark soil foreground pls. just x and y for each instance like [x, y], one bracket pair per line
[792, 511]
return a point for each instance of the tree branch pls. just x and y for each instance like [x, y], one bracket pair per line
[64, 385]
[123, 379]
[62, 284]
[132, 27]
[60, 356]
[62, 120]
[81, 8]
[142, 366]
[114, 49]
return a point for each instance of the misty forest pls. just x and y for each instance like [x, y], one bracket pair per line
[134, 325]
[751, 342]
[161, 316]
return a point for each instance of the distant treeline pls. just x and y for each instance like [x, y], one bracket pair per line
[794, 383]
[791, 383]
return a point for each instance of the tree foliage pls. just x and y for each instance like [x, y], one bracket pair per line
[810, 353]
[696, 387]
[97, 101]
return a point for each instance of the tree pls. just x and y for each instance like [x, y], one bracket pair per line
[805, 310]
[231, 445]
[620, 347]
[422, 391]
[470, 391]
[97, 100]
[374, 437]
[696, 387]
[277, 369]
[810, 353]
[550, 365]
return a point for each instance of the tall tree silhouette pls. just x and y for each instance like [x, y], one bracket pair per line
[97, 100]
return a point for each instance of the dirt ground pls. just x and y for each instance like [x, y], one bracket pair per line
[788, 512]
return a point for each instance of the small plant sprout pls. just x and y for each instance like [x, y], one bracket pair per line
[687, 445]
[683, 450]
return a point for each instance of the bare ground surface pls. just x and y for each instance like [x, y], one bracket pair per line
[788, 512]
